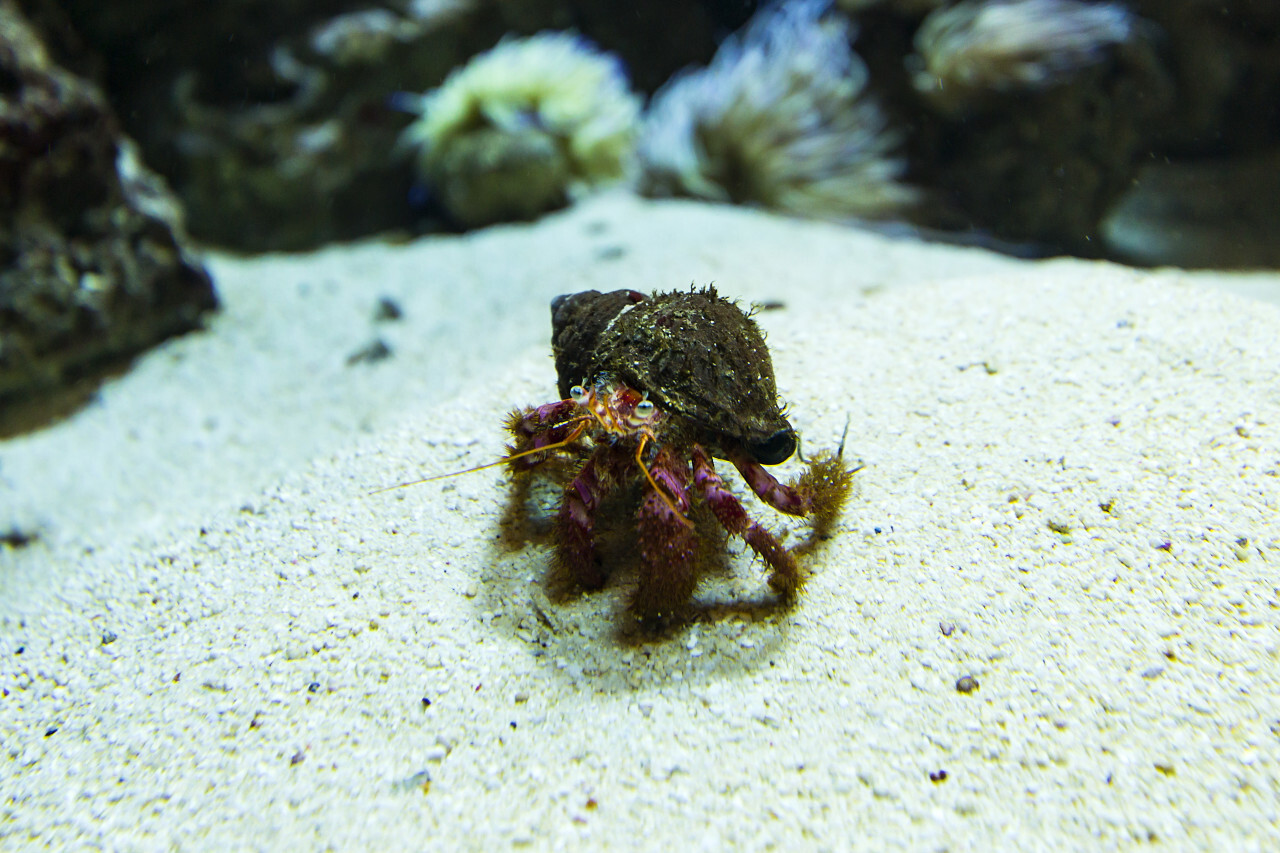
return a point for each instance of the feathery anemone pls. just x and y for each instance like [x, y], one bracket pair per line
[1003, 45]
[522, 127]
[781, 119]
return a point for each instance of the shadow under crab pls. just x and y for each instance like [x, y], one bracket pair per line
[654, 388]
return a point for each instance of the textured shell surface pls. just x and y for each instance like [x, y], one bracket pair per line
[697, 354]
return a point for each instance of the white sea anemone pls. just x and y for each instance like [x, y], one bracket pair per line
[1003, 45]
[904, 7]
[520, 128]
[781, 119]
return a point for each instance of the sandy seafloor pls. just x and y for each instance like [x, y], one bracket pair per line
[220, 640]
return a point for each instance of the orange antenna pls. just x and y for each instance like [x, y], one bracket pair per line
[569, 439]
[652, 482]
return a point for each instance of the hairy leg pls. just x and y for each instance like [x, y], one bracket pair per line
[820, 492]
[668, 571]
[575, 526]
[785, 577]
[826, 486]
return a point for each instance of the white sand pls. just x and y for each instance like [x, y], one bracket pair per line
[276, 629]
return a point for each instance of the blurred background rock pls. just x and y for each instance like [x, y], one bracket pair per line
[275, 121]
[95, 267]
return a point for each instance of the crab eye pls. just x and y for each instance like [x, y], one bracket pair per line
[577, 393]
[645, 409]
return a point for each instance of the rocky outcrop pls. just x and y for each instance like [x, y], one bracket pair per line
[92, 264]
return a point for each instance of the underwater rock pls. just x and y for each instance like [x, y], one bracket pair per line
[274, 121]
[93, 265]
[271, 118]
[305, 158]
[781, 119]
[1037, 115]
[1215, 213]
[518, 129]
[1224, 59]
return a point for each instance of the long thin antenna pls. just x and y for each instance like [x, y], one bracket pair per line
[572, 437]
[652, 482]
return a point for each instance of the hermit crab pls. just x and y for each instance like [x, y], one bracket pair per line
[654, 389]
